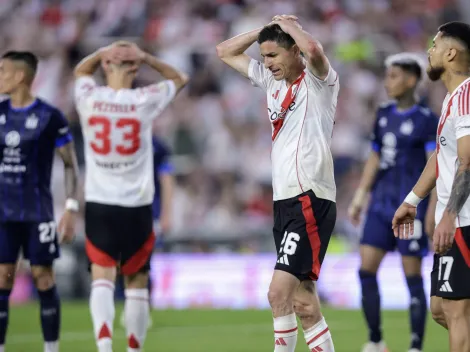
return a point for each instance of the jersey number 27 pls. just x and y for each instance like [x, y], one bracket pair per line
[130, 135]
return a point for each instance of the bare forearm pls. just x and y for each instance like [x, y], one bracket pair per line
[370, 171]
[167, 71]
[167, 184]
[69, 159]
[427, 180]
[237, 45]
[88, 65]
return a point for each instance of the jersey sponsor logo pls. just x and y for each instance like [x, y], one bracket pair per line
[12, 139]
[11, 157]
[3, 119]
[31, 122]
[389, 150]
[64, 130]
[274, 115]
[443, 141]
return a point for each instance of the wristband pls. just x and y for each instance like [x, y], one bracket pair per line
[413, 199]
[72, 204]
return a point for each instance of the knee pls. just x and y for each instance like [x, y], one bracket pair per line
[307, 312]
[43, 277]
[7, 276]
[278, 297]
[137, 281]
[439, 317]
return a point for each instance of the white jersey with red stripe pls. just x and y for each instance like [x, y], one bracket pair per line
[117, 132]
[454, 123]
[301, 156]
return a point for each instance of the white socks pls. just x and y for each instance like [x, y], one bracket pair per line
[102, 313]
[136, 312]
[285, 333]
[318, 338]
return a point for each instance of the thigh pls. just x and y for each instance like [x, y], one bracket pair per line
[11, 240]
[101, 242]
[308, 223]
[378, 233]
[41, 246]
[416, 245]
[137, 239]
[453, 270]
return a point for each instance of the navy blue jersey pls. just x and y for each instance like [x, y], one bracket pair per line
[28, 138]
[161, 165]
[402, 140]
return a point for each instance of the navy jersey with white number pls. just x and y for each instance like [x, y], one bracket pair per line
[402, 139]
[28, 139]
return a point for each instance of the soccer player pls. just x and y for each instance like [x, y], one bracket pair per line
[161, 206]
[30, 132]
[404, 137]
[119, 183]
[302, 90]
[449, 170]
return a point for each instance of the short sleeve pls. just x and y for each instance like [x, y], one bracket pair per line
[61, 129]
[331, 81]
[158, 96]
[84, 87]
[376, 142]
[258, 74]
[462, 126]
[429, 135]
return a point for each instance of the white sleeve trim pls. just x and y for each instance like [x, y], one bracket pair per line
[464, 130]
[251, 75]
[171, 89]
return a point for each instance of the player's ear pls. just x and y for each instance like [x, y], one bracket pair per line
[20, 76]
[450, 54]
[295, 49]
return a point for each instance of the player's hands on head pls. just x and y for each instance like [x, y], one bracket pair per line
[120, 52]
[66, 228]
[403, 221]
[443, 237]
[286, 20]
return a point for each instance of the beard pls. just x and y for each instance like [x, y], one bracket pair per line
[435, 73]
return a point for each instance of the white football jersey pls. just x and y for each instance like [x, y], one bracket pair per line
[454, 123]
[117, 132]
[301, 156]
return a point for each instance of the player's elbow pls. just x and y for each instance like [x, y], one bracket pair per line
[314, 50]
[181, 81]
[220, 50]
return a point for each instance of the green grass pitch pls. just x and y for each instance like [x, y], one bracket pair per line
[211, 331]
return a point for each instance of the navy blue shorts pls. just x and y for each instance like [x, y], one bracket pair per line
[378, 233]
[37, 240]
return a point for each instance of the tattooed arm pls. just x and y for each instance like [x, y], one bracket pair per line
[67, 153]
[461, 186]
[66, 226]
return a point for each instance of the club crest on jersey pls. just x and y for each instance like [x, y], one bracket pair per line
[31, 122]
[407, 128]
[12, 139]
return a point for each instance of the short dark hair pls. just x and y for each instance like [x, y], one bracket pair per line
[457, 30]
[27, 57]
[274, 33]
[411, 67]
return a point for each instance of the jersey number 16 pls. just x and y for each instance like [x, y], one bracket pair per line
[130, 135]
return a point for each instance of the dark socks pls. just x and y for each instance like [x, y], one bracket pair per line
[371, 304]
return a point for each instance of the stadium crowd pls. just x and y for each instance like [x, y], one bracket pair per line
[219, 135]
